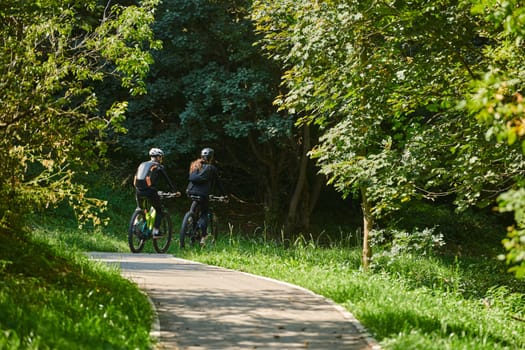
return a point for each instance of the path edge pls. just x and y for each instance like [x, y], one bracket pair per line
[367, 335]
[154, 332]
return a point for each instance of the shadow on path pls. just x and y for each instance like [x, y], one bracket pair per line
[206, 307]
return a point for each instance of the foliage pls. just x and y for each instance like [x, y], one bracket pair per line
[513, 201]
[210, 86]
[421, 242]
[52, 56]
[497, 101]
[383, 80]
[78, 305]
[389, 88]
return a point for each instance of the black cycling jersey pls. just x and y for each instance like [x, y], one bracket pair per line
[202, 182]
[147, 176]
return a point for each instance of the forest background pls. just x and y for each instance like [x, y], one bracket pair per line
[391, 103]
[395, 125]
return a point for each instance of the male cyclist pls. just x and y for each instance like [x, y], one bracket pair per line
[146, 181]
[203, 179]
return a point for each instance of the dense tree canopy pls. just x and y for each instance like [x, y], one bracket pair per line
[388, 83]
[210, 86]
[51, 57]
[411, 100]
[497, 100]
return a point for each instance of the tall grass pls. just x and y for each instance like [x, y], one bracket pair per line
[409, 300]
[414, 302]
[53, 297]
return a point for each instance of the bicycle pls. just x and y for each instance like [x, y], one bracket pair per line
[141, 226]
[190, 229]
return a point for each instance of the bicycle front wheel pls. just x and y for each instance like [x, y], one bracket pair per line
[162, 243]
[187, 230]
[136, 235]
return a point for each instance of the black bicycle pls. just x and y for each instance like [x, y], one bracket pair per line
[190, 230]
[141, 226]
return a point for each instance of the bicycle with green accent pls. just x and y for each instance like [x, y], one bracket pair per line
[141, 226]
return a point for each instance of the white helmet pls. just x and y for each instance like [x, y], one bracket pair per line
[207, 154]
[156, 152]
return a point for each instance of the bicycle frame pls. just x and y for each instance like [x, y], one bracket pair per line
[195, 207]
[150, 215]
[189, 227]
[142, 222]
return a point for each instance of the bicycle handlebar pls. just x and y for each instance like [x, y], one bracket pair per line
[223, 199]
[211, 197]
[168, 194]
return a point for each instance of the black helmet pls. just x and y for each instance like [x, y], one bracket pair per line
[207, 154]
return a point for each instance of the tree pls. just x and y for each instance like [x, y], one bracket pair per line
[52, 55]
[385, 83]
[497, 101]
[345, 61]
[211, 86]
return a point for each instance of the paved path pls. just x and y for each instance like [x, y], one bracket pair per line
[205, 307]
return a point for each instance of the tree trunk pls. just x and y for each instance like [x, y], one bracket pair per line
[272, 162]
[368, 222]
[300, 185]
[307, 188]
[272, 201]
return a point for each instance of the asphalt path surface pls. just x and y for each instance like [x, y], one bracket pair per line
[206, 307]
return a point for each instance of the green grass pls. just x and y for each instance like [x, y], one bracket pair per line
[407, 301]
[416, 303]
[53, 297]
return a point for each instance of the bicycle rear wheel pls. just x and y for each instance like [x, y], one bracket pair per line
[162, 243]
[136, 235]
[187, 230]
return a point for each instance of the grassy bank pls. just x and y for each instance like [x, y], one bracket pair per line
[416, 302]
[52, 297]
[409, 300]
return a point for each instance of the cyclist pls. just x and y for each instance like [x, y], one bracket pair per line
[146, 181]
[203, 179]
